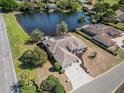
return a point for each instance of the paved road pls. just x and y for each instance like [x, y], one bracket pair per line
[105, 83]
[7, 73]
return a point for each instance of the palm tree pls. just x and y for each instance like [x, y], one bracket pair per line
[26, 79]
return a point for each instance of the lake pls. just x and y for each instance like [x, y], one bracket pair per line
[47, 23]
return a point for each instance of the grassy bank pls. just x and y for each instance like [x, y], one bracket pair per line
[111, 1]
[17, 38]
[118, 26]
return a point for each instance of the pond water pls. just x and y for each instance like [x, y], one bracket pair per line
[47, 23]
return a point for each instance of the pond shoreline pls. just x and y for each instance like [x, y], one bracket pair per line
[47, 22]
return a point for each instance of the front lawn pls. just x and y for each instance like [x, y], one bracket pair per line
[17, 38]
[29, 90]
[119, 26]
[111, 1]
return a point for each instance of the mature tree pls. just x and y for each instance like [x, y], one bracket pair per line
[8, 5]
[62, 28]
[74, 5]
[63, 4]
[121, 2]
[83, 19]
[108, 17]
[34, 58]
[52, 84]
[37, 35]
[115, 7]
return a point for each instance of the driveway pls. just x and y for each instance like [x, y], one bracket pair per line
[104, 83]
[8, 78]
[119, 41]
[77, 76]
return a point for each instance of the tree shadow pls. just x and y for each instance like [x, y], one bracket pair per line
[15, 88]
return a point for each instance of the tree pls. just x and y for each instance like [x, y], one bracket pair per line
[62, 28]
[115, 7]
[37, 35]
[52, 84]
[83, 19]
[74, 5]
[8, 5]
[121, 2]
[108, 17]
[59, 88]
[34, 58]
[62, 4]
[26, 79]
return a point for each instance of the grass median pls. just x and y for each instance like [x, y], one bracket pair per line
[17, 38]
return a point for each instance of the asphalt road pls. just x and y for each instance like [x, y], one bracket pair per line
[105, 83]
[8, 78]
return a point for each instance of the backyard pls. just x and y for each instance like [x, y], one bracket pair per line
[103, 60]
[17, 38]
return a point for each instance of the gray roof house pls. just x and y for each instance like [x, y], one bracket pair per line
[64, 49]
[121, 18]
[105, 41]
[101, 33]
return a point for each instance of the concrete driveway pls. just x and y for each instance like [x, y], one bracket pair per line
[119, 41]
[77, 76]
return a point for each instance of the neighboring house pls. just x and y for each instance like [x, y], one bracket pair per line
[121, 18]
[64, 49]
[104, 40]
[51, 7]
[122, 8]
[101, 33]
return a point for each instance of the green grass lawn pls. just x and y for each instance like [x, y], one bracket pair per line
[119, 26]
[111, 1]
[17, 38]
[29, 90]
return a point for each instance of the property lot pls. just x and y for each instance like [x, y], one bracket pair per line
[103, 60]
[46, 70]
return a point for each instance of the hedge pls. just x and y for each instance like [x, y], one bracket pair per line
[95, 42]
[59, 88]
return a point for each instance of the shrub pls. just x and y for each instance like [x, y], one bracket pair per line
[93, 54]
[61, 71]
[51, 83]
[57, 66]
[59, 88]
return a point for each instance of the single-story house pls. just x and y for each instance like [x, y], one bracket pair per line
[122, 8]
[101, 33]
[121, 18]
[51, 7]
[100, 29]
[64, 49]
[111, 31]
[105, 41]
